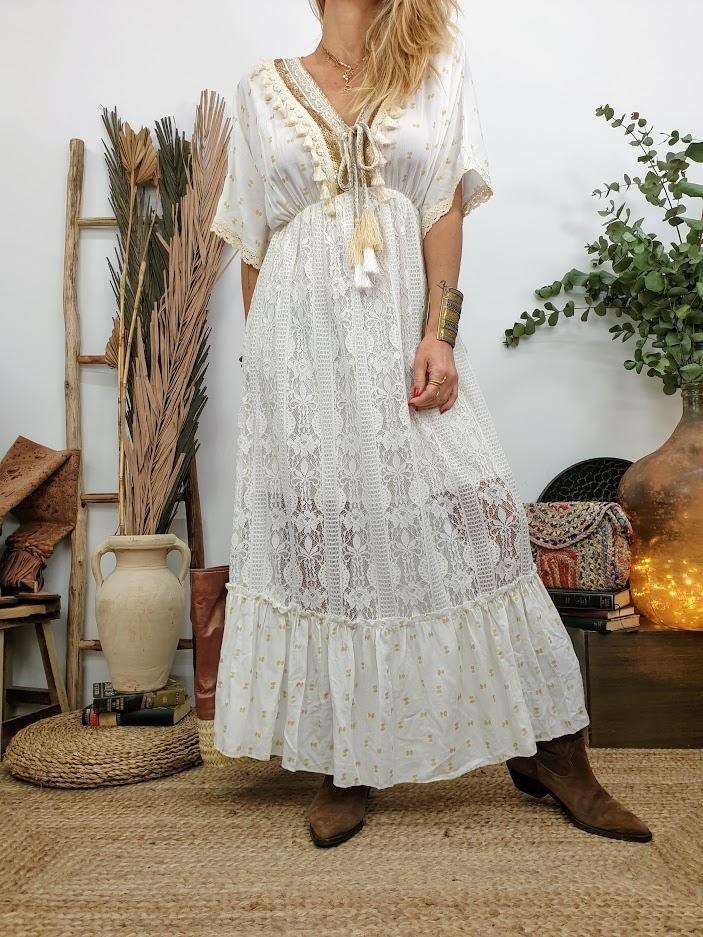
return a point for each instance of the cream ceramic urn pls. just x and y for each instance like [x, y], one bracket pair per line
[139, 609]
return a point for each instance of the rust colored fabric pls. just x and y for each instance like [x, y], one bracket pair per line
[39, 486]
[23, 468]
[208, 597]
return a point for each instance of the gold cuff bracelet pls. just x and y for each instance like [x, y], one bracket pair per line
[449, 313]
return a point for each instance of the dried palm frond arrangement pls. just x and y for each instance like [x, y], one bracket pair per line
[167, 262]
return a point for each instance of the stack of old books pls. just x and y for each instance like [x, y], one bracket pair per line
[604, 611]
[164, 706]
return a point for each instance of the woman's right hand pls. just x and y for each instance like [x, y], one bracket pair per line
[434, 361]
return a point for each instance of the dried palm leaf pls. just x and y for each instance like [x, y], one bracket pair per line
[138, 156]
[139, 276]
[173, 154]
[132, 163]
[174, 160]
[133, 211]
[168, 391]
[111, 351]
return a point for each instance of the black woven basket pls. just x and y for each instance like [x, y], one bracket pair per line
[590, 480]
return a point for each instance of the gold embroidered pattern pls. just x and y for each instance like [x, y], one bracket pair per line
[327, 132]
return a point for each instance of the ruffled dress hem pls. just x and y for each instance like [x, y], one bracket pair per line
[496, 758]
[396, 700]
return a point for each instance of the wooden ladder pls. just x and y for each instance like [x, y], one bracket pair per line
[76, 643]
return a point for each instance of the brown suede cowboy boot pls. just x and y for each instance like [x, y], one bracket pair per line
[560, 767]
[337, 813]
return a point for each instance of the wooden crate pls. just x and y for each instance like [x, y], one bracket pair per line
[644, 689]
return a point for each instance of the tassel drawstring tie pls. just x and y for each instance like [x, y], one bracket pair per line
[366, 238]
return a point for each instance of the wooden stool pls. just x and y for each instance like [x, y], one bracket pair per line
[37, 610]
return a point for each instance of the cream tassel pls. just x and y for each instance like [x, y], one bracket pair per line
[361, 277]
[370, 260]
[365, 241]
[369, 231]
[355, 251]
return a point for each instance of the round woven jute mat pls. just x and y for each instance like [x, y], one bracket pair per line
[61, 752]
[227, 853]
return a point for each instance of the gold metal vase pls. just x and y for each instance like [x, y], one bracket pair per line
[662, 494]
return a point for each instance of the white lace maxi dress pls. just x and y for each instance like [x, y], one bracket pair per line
[385, 622]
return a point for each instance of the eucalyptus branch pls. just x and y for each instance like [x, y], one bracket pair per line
[654, 292]
[646, 135]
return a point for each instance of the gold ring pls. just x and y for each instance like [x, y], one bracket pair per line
[438, 382]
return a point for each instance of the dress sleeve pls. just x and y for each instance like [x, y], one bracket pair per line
[459, 154]
[240, 217]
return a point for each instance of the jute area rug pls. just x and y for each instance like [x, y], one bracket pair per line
[226, 852]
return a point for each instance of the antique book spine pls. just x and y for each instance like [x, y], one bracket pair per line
[568, 598]
[603, 625]
[157, 716]
[129, 702]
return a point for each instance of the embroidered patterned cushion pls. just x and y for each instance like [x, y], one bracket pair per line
[580, 544]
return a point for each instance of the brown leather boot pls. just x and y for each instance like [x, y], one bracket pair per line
[561, 768]
[208, 600]
[337, 813]
[208, 597]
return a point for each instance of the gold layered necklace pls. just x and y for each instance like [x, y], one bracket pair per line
[348, 71]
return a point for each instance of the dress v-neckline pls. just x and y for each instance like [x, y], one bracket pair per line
[319, 99]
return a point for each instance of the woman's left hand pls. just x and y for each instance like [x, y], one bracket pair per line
[434, 360]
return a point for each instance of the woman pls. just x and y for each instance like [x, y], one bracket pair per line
[385, 622]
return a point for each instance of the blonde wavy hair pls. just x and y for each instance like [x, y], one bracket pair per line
[401, 41]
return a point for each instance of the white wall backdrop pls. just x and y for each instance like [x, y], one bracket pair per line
[540, 69]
